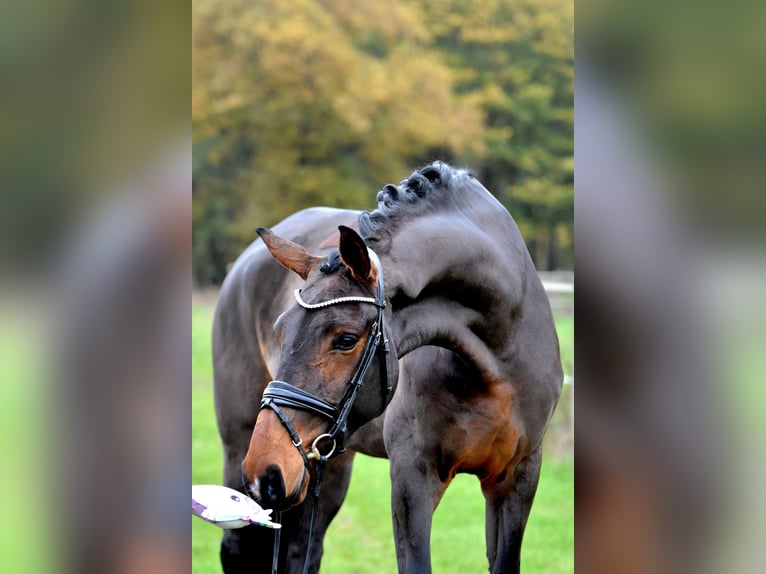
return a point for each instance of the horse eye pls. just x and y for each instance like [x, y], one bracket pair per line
[345, 342]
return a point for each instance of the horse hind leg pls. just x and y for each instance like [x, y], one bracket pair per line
[507, 509]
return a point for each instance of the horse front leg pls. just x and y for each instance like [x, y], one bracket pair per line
[507, 509]
[415, 493]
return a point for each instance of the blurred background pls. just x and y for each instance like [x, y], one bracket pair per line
[322, 102]
[95, 281]
[669, 186]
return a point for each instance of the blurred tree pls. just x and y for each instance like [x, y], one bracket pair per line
[515, 59]
[321, 101]
[311, 102]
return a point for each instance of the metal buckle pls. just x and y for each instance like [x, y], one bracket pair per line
[314, 454]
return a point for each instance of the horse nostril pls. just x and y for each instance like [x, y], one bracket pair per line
[272, 486]
[252, 489]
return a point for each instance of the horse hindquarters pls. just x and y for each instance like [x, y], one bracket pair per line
[507, 509]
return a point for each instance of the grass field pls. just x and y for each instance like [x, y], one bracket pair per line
[360, 540]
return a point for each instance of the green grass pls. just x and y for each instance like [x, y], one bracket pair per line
[360, 539]
[207, 461]
[565, 330]
[27, 442]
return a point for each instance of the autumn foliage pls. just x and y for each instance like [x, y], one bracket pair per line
[321, 102]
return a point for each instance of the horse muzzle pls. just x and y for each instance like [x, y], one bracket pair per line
[268, 488]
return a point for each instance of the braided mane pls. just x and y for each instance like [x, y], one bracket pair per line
[427, 189]
[437, 187]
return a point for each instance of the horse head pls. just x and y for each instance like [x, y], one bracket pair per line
[335, 373]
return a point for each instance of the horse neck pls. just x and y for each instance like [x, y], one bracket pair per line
[456, 285]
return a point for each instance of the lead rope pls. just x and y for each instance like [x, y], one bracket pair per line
[318, 471]
[275, 557]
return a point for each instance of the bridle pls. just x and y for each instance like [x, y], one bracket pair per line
[280, 394]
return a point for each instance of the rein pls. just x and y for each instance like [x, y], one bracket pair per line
[280, 394]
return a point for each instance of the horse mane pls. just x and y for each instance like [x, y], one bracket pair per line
[427, 189]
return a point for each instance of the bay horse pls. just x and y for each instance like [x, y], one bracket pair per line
[434, 296]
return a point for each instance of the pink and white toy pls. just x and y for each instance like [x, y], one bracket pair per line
[228, 508]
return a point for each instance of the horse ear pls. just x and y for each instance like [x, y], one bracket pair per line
[353, 252]
[290, 255]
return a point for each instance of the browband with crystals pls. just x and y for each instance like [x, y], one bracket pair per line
[380, 301]
[305, 305]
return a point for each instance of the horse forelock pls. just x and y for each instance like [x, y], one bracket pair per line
[332, 263]
[430, 188]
